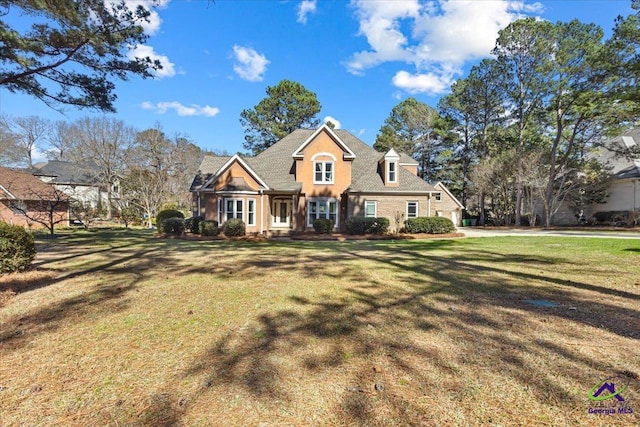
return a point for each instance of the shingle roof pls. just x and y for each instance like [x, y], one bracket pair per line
[276, 166]
[15, 185]
[82, 173]
[623, 166]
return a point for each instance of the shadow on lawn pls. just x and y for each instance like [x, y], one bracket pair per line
[373, 321]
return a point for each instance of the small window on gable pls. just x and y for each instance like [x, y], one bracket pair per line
[323, 172]
[412, 209]
[392, 172]
[437, 197]
[370, 208]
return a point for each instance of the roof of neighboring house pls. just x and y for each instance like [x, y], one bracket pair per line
[82, 173]
[623, 166]
[17, 185]
[276, 166]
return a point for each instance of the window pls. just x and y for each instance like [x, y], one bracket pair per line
[370, 209]
[412, 209]
[322, 208]
[439, 213]
[323, 172]
[251, 212]
[437, 197]
[234, 208]
[392, 173]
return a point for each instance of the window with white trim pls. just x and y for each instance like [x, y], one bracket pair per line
[437, 197]
[234, 208]
[392, 172]
[251, 212]
[412, 209]
[323, 172]
[322, 208]
[370, 208]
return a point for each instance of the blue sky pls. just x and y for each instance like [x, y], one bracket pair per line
[360, 57]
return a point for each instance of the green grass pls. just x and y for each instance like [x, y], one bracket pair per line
[123, 328]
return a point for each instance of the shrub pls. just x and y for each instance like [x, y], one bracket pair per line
[430, 225]
[17, 248]
[167, 213]
[234, 228]
[173, 226]
[193, 224]
[323, 225]
[606, 217]
[208, 228]
[361, 225]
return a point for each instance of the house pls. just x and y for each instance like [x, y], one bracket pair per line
[624, 189]
[81, 181]
[25, 200]
[321, 173]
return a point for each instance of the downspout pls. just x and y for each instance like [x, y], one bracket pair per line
[199, 205]
[261, 192]
[429, 205]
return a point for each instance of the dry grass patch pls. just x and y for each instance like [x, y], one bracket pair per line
[135, 330]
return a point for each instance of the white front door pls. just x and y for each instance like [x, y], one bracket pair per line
[454, 218]
[281, 212]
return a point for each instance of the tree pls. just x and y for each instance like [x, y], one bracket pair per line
[105, 141]
[60, 141]
[70, 49]
[520, 49]
[27, 133]
[46, 207]
[415, 128]
[287, 107]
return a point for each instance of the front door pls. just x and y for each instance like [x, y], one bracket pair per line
[281, 213]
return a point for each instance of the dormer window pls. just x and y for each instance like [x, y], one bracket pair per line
[392, 171]
[323, 172]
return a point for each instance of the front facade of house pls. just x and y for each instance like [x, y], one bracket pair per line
[27, 201]
[312, 174]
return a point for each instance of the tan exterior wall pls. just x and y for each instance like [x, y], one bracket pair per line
[412, 169]
[305, 172]
[236, 171]
[624, 195]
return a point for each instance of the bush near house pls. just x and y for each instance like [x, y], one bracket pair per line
[208, 228]
[429, 225]
[164, 214]
[173, 226]
[193, 224]
[361, 225]
[612, 217]
[17, 248]
[323, 225]
[234, 228]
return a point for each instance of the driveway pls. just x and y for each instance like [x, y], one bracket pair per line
[499, 231]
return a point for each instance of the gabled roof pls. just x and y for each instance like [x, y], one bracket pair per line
[235, 158]
[15, 185]
[623, 166]
[348, 154]
[443, 188]
[81, 173]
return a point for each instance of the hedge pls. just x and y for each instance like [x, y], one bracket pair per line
[17, 248]
[429, 225]
[193, 224]
[234, 228]
[209, 228]
[173, 226]
[167, 213]
[362, 225]
[323, 225]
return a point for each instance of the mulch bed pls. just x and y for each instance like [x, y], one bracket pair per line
[315, 237]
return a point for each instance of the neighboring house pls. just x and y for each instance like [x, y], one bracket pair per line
[624, 190]
[311, 174]
[81, 181]
[27, 201]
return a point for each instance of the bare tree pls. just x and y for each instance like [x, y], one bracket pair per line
[105, 141]
[48, 207]
[27, 133]
[60, 141]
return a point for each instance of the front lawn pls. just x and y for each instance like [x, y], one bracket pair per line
[124, 328]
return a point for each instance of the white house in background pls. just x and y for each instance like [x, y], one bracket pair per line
[624, 190]
[81, 181]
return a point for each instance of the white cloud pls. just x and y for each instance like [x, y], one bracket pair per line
[153, 26]
[180, 109]
[249, 65]
[142, 51]
[437, 37]
[305, 8]
[333, 120]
